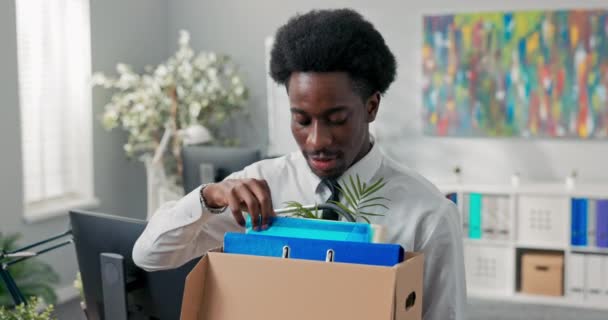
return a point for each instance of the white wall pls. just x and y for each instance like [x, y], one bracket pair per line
[133, 31]
[239, 28]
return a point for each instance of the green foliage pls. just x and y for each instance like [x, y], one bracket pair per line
[34, 278]
[27, 312]
[359, 197]
[78, 285]
[301, 211]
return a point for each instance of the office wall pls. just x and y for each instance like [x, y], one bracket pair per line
[131, 31]
[239, 28]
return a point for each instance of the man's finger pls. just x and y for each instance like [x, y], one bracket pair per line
[251, 203]
[262, 193]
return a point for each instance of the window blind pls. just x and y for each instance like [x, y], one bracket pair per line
[53, 43]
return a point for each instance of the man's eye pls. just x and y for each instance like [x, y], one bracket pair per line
[338, 119]
[301, 120]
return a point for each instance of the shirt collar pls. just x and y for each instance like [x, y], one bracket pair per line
[365, 168]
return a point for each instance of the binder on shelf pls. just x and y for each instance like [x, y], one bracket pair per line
[593, 278]
[601, 223]
[605, 277]
[475, 219]
[591, 222]
[380, 254]
[465, 216]
[579, 222]
[576, 276]
[453, 196]
[489, 205]
[503, 228]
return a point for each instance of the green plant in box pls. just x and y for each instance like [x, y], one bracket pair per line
[359, 198]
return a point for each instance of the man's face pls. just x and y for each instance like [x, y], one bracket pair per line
[330, 121]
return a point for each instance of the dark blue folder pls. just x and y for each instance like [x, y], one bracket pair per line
[601, 225]
[381, 254]
[579, 222]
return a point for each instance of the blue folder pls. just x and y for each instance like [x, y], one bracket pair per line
[579, 222]
[316, 229]
[380, 254]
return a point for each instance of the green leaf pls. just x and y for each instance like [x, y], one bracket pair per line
[373, 199]
[365, 218]
[347, 196]
[301, 211]
[343, 207]
[373, 188]
[372, 205]
[371, 214]
[359, 186]
[352, 184]
[353, 199]
[293, 204]
[374, 184]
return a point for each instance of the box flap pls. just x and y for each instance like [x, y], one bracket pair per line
[408, 287]
[192, 300]
[242, 287]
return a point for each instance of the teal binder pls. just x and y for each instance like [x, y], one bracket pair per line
[316, 229]
[475, 200]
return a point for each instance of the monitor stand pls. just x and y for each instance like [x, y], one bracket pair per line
[113, 286]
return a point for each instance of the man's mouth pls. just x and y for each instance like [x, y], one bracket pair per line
[323, 162]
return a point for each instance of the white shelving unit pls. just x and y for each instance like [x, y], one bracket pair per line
[492, 265]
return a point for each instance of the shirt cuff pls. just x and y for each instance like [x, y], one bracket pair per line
[188, 209]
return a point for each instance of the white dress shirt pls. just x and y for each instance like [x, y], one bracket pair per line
[419, 218]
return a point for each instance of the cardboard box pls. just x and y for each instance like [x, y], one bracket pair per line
[542, 273]
[235, 287]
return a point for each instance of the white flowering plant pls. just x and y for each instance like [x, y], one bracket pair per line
[187, 94]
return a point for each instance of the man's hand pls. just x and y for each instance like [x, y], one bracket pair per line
[250, 195]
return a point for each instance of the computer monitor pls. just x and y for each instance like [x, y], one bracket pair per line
[149, 295]
[223, 160]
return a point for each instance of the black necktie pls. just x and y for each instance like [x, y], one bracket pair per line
[332, 184]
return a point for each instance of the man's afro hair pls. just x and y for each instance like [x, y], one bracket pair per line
[333, 40]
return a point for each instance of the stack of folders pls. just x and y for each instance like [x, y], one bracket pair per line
[312, 239]
[589, 222]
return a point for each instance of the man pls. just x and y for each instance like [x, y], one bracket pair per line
[335, 65]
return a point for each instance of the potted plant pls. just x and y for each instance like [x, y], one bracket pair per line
[33, 277]
[184, 100]
[31, 311]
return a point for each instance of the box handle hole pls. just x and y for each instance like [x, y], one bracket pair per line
[410, 301]
[542, 268]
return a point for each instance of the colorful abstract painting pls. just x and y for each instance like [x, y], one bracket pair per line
[519, 74]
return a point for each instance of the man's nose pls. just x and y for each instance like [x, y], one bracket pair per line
[319, 136]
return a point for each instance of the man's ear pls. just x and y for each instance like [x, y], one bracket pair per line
[372, 105]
